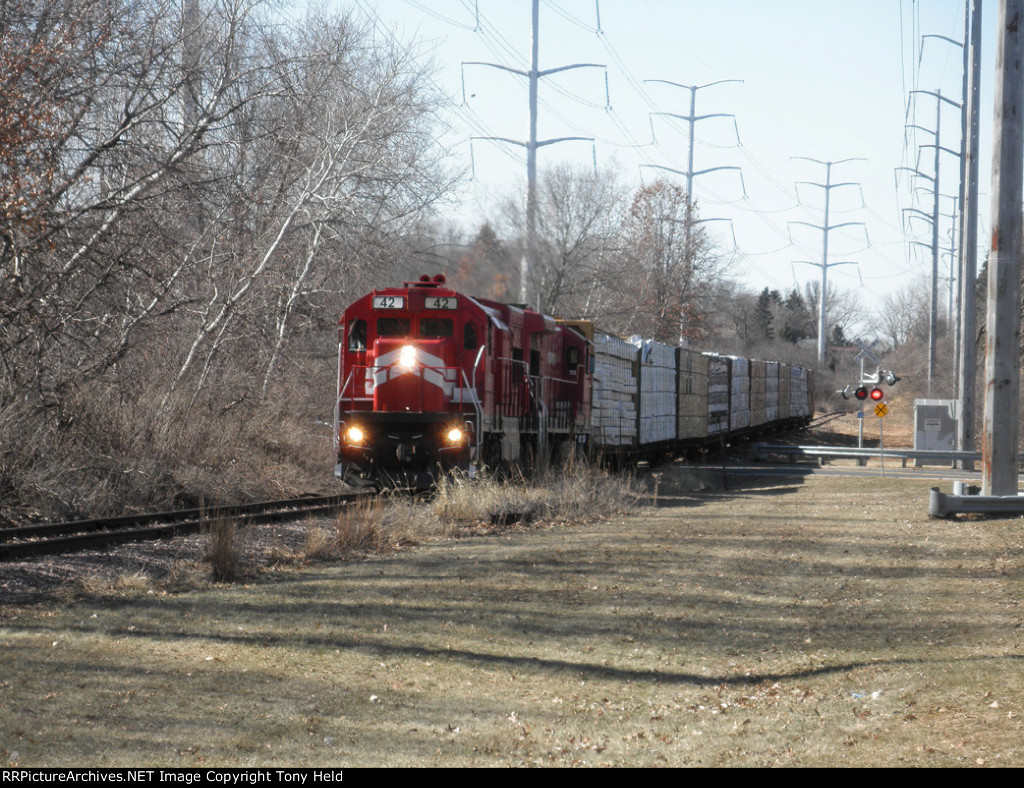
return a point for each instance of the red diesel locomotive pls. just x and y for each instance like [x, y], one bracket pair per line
[432, 380]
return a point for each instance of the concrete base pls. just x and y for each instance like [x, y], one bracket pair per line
[965, 500]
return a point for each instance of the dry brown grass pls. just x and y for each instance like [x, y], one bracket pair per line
[459, 505]
[380, 524]
[126, 583]
[224, 553]
[567, 493]
[802, 621]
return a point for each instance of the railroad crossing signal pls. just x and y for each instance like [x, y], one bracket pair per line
[864, 393]
[865, 351]
[868, 389]
[881, 410]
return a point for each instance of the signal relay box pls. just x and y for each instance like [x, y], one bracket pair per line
[935, 424]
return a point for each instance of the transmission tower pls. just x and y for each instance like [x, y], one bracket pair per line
[936, 252]
[692, 119]
[534, 75]
[824, 265]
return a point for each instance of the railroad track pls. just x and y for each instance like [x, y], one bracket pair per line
[56, 538]
[825, 418]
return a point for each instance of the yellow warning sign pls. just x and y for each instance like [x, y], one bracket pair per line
[881, 410]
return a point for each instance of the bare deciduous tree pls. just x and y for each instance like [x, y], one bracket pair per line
[669, 266]
[188, 188]
[843, 310]
[903, 314]
[579, 218]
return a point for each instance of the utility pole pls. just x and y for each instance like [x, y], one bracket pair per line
[824, 265]
[1002, 368]
[968, 350]
[529, 259]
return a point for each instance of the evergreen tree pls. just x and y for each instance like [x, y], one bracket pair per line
[796, 322]
[764, 320]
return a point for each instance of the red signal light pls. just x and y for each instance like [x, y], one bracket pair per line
[861, 393]
[877, 395]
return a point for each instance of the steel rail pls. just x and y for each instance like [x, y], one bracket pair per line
[50, 539]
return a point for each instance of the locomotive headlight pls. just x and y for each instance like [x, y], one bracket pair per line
[455, 435]
[355, 435]
[407, 357]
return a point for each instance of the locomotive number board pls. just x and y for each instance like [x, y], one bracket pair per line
[388, 302]
[438, 302]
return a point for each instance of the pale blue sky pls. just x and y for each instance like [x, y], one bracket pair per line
[826, 79]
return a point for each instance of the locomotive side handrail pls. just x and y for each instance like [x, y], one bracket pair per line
[548, 399]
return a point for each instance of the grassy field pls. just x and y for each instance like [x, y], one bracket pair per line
[804, 621]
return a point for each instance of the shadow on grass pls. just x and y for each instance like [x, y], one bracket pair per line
[684, 485]
[380, 649]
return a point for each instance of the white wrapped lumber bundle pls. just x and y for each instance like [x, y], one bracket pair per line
[693, 395]
[614, 414]
[758, 393]
[800, 394]
[718, 394]
[785, 386]
[657, 369]
[739, 393]
[771, 391]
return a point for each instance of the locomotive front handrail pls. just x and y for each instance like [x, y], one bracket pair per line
[337, 413]
[478, 427]
[476, 364]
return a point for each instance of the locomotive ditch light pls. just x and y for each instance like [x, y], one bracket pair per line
[407, 357]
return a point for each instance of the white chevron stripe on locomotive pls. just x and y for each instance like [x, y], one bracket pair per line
[428, 366]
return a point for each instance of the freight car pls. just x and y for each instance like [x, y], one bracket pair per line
[432, 380]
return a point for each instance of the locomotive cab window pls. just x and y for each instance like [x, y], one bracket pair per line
[572, 360]
[517, 367]
[393, 326]
[469, 340]
[436, 327]
[357, 335]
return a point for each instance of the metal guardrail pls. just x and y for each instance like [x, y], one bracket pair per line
[922, 456]
[964, 500]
